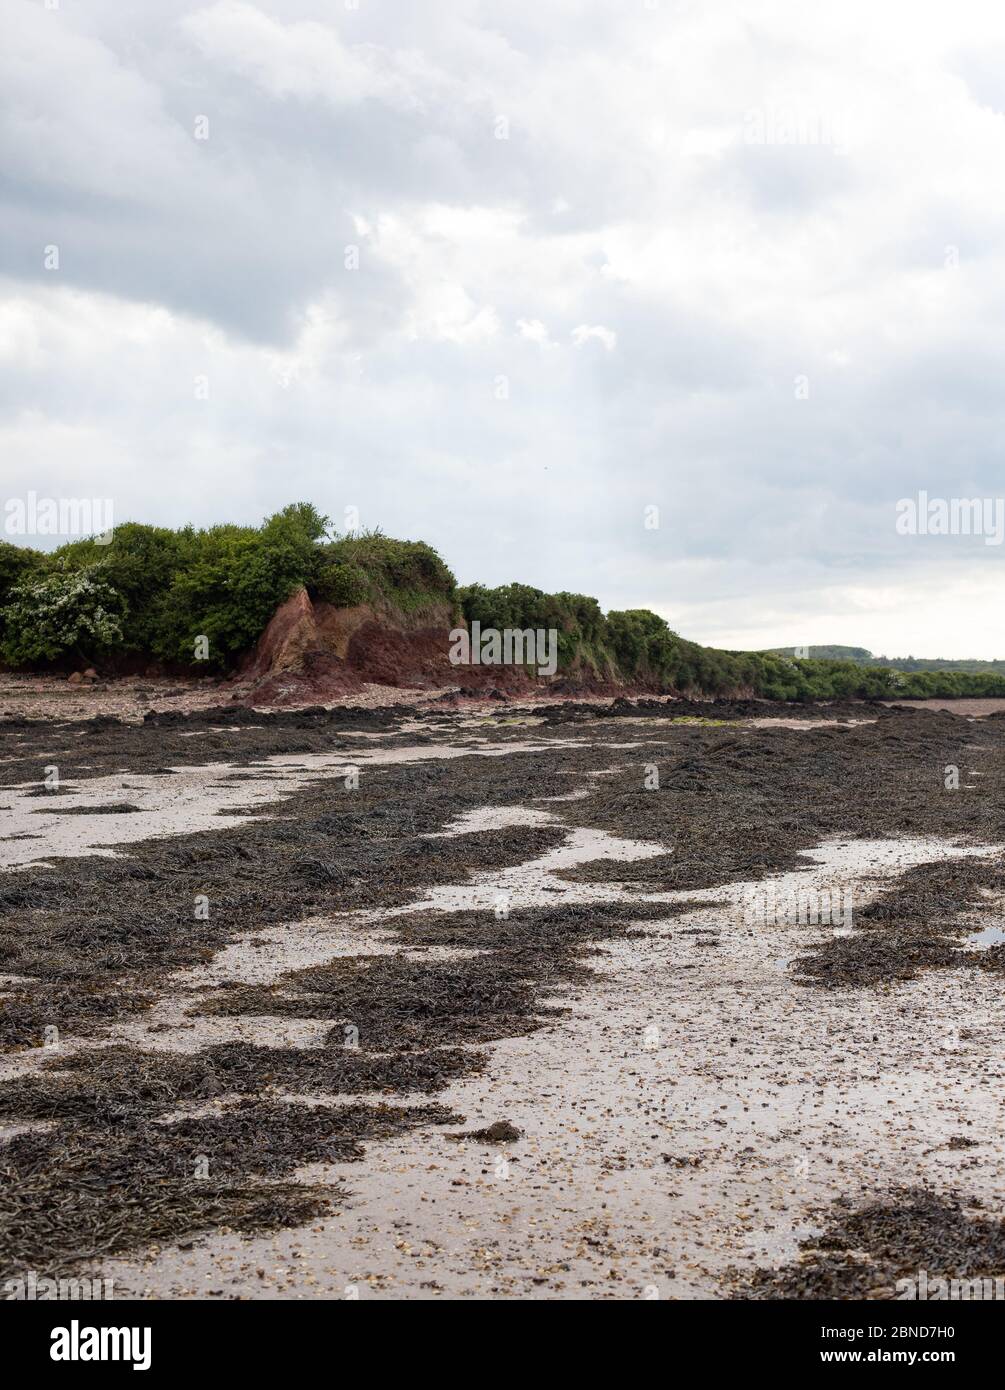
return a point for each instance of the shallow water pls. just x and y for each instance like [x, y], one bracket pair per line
[989, 936]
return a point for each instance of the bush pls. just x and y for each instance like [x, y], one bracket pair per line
[578, 620]
[343, 584]
[643, 645]
[75, 614]
[141, 563]
[232, 581]
[407, 572]
[17, 564]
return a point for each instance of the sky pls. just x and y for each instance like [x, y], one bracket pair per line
[669, 303]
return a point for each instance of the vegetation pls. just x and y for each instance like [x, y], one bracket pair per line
[17, 563]
[198, 598]
[638, 647]
[863, 657]
[580, 624]
[63, 612]
[182, 597]
[373, 568]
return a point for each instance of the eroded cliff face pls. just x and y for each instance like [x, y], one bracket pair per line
[317, 647]
[291, 633]
[316, 650]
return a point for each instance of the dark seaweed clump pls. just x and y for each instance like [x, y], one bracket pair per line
[87, 1192]
[866, 1249]
[918, 923]
[402, 1003]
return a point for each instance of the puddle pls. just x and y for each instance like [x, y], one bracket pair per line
[988, 936]
[783, 723]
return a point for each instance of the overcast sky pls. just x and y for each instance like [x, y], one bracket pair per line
[741, 262]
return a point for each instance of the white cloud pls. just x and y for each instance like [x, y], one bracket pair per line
[584, 333]
[851, 236]
[535, 332]
[305, 60]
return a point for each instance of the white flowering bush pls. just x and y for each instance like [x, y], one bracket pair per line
[72, 613]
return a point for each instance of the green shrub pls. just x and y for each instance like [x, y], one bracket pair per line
[643, 645]
[141, 563]
[76, 613]
[577, 618]
[343, 584]
[406, 571]
[17, 564]
[232, 581]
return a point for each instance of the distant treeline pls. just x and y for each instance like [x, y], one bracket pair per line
[894, 663]
[197, 599]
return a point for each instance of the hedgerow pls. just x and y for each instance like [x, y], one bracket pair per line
[197, 599]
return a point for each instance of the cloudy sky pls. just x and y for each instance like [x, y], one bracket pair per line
[503, 276]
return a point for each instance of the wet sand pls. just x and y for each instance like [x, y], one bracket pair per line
[690, 1102]
[973, 709]
[682, 1124]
